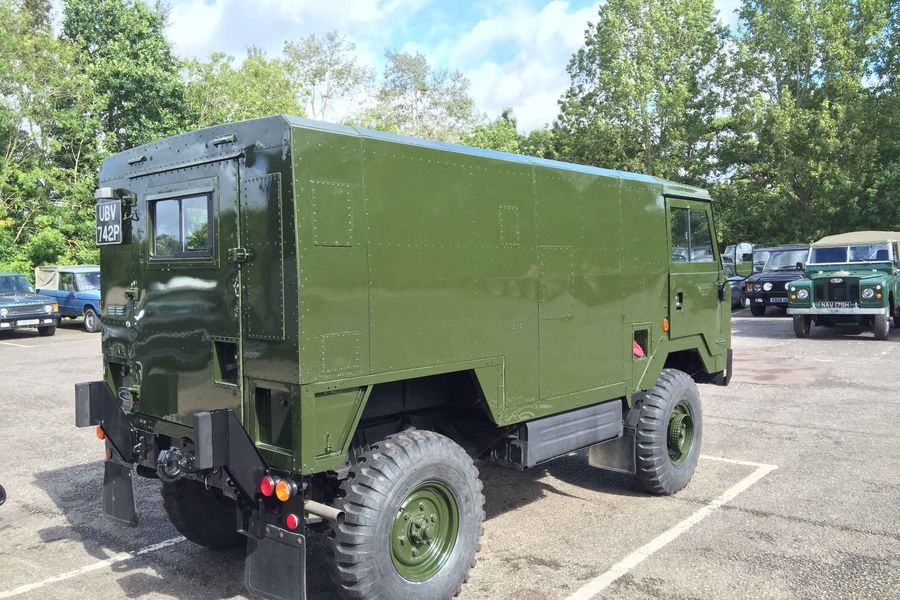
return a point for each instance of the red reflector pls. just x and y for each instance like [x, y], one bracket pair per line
[292, 522]
[637, 350]
[267, 485]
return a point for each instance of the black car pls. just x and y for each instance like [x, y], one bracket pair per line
[770, 286]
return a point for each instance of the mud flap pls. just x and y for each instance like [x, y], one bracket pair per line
[118, 494]
[275, 568]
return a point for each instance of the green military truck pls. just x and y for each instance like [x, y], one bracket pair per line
[309, 326]
[849, 278]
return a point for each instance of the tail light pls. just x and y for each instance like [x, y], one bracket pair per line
[267, 485]
[101, 435]
[292, 521]
[285, 489]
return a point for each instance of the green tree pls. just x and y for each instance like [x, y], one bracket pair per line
[500, 134]
[643, 95]
[801, 137]
[415, 99]
[218, 92]
[326, 70]
[130, 61]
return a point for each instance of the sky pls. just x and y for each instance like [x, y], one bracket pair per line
[514, 52]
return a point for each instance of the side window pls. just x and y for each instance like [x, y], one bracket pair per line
[680, 235]
[701, 237]
[66, 282]
[182, 227]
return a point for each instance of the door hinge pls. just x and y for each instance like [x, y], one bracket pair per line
[239, 255]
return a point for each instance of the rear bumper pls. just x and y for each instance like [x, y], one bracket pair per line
[222, 455]
[849, 312]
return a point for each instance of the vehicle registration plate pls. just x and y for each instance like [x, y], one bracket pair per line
[109, 222]
[835, 305]
[28, 322]
[778, 300]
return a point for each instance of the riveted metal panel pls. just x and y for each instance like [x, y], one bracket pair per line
[332, 213]
[262, 275]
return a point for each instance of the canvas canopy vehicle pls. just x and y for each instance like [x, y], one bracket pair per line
[849, 278]
[76, 288]
[310, 326]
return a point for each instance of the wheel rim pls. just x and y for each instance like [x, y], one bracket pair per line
[680, 435]
[424, 531]
[89, 320]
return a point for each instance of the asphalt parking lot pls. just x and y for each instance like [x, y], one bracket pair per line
[797, 494]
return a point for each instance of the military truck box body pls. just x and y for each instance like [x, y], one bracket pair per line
[335, 258]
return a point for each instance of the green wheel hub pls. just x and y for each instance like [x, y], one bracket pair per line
[424, 531]
[680, 435]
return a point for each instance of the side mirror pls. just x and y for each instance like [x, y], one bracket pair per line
[799, 266]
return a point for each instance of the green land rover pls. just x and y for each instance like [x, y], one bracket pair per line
[311, 328]
[849, 278]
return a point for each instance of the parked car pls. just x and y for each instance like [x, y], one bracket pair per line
[21, 308]
[850, 278]
[738, 285]
[76, 289]
[770, 286]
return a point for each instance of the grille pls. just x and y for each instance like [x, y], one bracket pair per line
[845, 291]
[25, 310]
[115, 310]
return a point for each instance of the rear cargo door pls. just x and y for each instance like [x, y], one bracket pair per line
[694, 272]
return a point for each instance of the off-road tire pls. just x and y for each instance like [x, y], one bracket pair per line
[758, 310]
[882, 326]
[802, 326]
[380, 480]
[47, 331]
[204, 516]
[91, 320]
[656, 470]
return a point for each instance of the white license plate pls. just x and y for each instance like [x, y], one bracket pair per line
[778, 300]
[835, 305]
[28, 322]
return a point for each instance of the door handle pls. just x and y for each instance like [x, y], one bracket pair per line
[679, 300]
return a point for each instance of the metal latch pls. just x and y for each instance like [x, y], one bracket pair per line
[239, 255]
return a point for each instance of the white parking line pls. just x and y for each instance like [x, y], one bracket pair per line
[116, 558]
[14, 345]
[600, 583]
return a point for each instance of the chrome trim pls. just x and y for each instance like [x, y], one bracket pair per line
[837, 311]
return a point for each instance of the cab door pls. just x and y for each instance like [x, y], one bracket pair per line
[695, 277]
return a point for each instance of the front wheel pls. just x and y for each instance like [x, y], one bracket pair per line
[802, 326]
[413, 509]
[882, 327]
[669, 433]
[758, 310]
[91, 320]
[47, 330]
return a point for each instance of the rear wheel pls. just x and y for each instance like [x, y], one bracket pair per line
[669, 433]
[758, 310]
[882, 326]
[802, 326]
[47, 331]
[204, 516]
[91, 320]
[413, 510]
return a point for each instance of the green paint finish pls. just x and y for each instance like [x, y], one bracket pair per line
[424, 531]
[680, 433]
[345, 258]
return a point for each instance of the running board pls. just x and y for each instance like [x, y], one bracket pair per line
[544, 439]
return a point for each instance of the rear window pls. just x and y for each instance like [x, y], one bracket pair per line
[182, 227]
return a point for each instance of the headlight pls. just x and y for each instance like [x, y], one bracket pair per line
[787, 285]
[767, 287]
[48, 309]
[868, 293]
[3, 312]
[803, 294]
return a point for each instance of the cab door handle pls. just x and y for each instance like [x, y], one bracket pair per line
[679, 300]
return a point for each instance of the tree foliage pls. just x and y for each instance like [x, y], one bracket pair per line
[643, 94]
[416, 99]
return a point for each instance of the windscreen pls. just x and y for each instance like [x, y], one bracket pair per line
[87, 282]
[785, 260]
[14, 284]
[860, 253]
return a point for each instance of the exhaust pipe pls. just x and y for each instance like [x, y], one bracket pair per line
[329, 513]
